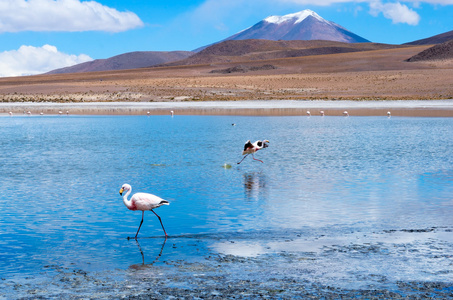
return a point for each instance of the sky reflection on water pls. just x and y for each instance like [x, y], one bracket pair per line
[322, 178]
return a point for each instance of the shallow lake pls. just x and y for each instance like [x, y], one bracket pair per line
[346, 202]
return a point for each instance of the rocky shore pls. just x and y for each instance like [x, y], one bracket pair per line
[199, 272]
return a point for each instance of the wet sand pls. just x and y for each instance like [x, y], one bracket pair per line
[413, 108]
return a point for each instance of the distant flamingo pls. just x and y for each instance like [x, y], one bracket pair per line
[389, 114]
[250, 148]
[11, 113]
[172, 113]
[308, 113]
[345, 113]
[321, 113]
[143, 202]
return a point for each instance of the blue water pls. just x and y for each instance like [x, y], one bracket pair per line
[328, 183]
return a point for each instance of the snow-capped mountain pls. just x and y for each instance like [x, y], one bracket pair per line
[303, 25]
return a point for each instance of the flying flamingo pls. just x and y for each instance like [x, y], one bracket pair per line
[250, 148]
[142, 201]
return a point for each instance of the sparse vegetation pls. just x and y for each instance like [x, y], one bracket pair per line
[365, 75]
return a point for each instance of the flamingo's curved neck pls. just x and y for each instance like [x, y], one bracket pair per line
[127, 202]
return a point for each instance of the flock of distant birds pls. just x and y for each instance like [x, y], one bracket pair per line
[41, 113]
[149, 202]
[345, 113]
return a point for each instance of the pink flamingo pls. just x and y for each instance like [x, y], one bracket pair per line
[250, 148]
[142, 201]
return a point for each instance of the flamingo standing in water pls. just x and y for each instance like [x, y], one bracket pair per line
[143, 202]
[250, 148]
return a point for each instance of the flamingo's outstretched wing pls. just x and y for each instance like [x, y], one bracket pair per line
[248, 145]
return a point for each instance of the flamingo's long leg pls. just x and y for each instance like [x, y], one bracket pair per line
[143, 214]
[160, 223]
[256, 158]
[243, 158]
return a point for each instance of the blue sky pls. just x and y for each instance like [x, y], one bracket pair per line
[41, 35]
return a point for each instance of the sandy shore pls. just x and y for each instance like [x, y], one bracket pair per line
[415, 108]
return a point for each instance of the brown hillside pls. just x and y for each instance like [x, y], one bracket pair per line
[437, 39]
[375, 74]
[251, 50]
[131, 60]
[438, 52]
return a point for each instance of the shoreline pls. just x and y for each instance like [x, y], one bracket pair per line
[409, 108]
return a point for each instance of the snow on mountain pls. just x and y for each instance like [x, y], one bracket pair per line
[296, 17]
[303, 25]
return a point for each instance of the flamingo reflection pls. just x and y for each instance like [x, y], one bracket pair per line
[143, 265]
[254, 184]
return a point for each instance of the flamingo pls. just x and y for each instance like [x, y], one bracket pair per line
[345, 113]
[172, 113]
[321, 113]
[308, 113]
[250, 148]
[389, 114]
[142, 201]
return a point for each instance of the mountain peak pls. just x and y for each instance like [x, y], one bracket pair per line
[295, 17]
[303, 25]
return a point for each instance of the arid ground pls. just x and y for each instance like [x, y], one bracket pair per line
[369, 75]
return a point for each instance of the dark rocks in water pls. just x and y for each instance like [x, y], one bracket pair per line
[438, 52]
[243, 69]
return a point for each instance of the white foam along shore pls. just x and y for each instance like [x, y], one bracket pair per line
[439, 108]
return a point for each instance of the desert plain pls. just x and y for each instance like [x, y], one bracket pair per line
[381, 75]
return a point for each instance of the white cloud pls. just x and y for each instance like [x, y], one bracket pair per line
[396, 12]
[441, 2]
[29, 60]
[63, 15]
[330, 2]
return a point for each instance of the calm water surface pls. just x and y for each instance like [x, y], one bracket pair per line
[358, 195]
